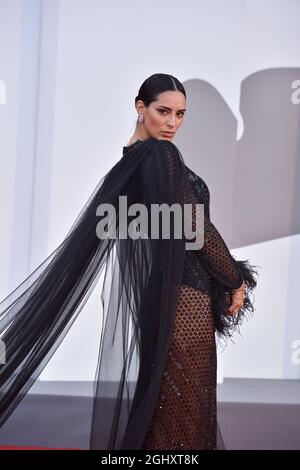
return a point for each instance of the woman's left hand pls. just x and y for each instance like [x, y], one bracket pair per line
[237, 300]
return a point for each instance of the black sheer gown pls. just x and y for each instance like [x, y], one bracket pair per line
[185, 415]
[155, 380]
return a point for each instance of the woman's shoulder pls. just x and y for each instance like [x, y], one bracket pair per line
[200, 188]
[194, 178]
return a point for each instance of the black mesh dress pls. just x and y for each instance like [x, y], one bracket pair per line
[185, 415]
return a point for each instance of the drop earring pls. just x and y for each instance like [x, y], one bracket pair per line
[141, 118]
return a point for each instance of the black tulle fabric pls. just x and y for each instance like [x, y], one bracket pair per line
[162, 305]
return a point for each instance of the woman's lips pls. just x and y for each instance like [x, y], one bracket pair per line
[169, 134]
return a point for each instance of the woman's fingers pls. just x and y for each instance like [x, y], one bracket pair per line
[237, 302]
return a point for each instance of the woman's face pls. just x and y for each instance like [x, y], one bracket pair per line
[163, 115]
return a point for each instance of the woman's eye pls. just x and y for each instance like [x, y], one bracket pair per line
[165, 111]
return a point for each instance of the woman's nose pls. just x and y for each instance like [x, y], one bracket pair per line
[171, 121]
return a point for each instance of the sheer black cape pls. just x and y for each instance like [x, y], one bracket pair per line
[142, 278]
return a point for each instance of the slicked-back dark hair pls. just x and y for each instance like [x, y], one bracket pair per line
[157, 84]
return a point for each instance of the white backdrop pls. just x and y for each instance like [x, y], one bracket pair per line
[72, 69]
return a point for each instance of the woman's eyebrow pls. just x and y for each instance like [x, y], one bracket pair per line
[184, 109]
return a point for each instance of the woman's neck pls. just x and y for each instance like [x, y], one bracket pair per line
[139, 134]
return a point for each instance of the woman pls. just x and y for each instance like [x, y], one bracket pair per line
[155, 383]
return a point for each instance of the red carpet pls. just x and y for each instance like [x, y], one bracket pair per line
[33, 448]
